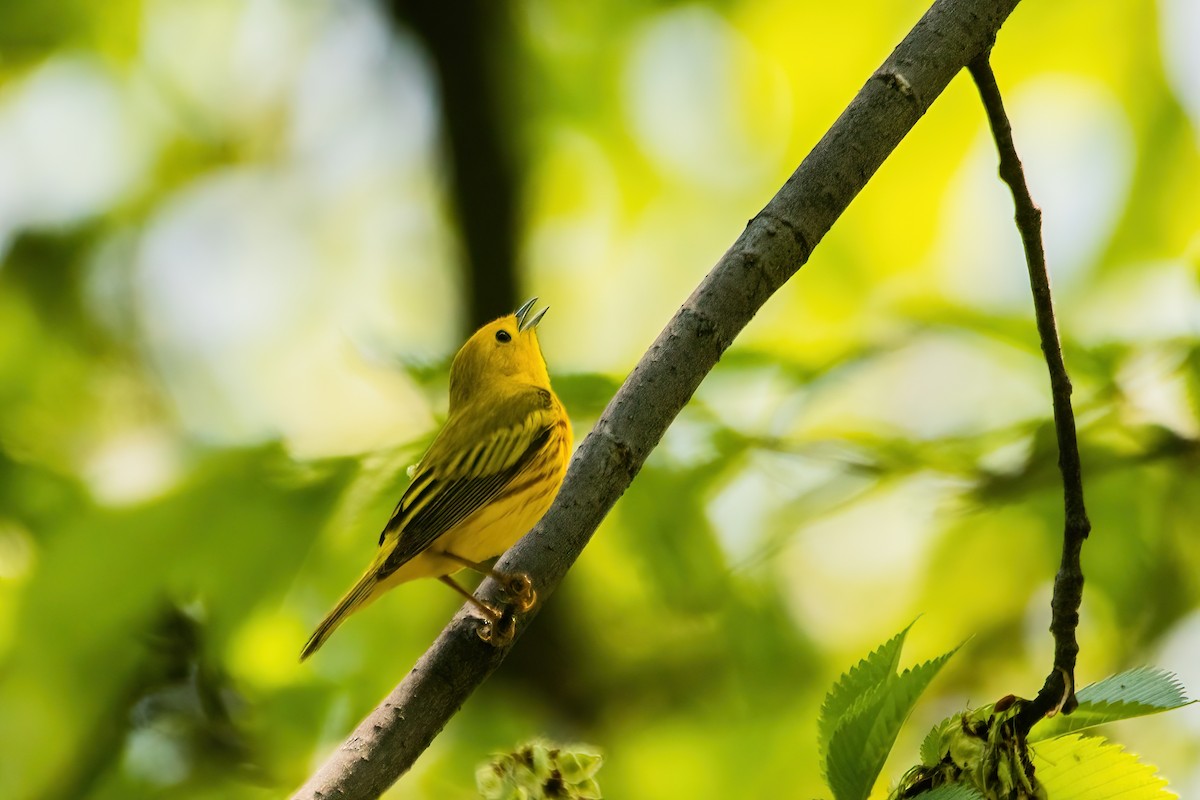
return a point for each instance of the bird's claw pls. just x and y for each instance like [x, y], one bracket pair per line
[498, 632]
[520, 591]
[499, 627]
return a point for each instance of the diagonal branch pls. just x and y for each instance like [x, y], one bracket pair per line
[776, 243]
[1059, 688]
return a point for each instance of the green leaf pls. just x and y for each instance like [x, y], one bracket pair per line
[1089, 768]
[1135, 693]
[930, 747]
[862, 679]
[873, 703]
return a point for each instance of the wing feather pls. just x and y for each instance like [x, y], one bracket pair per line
[444, 494]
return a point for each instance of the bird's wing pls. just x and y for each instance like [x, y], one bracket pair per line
[451, 485]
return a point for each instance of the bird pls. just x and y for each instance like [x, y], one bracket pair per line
[490, 474]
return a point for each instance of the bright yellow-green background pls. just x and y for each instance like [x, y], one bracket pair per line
[230, 289]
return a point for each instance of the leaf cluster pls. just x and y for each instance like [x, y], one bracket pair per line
[541, 770]
[979, 754]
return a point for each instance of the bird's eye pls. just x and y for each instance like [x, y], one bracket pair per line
[503, 336]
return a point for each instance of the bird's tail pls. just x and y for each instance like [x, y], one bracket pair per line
[356, 598]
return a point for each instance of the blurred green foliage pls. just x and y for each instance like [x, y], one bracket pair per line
[541, 770]
[229, 291]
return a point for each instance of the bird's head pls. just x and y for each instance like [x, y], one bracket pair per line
[504, 349]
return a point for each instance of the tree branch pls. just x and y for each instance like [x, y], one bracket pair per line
[1058, 691]
[776, 243]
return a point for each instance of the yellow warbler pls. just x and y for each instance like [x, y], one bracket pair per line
[488, 477]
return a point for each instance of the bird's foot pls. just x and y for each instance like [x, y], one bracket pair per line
[500, 631]
[520, 591]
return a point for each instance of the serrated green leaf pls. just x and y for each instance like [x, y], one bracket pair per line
[855, 687]
[931, 745]
[1076, 767]
[1135, 693]
[952, 791]
[1145, 685]
[902, 697]
[862, 740]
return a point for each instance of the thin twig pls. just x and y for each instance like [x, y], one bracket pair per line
[775, 244]
[1058, 691]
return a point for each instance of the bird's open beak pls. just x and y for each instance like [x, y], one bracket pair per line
[524, 321]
